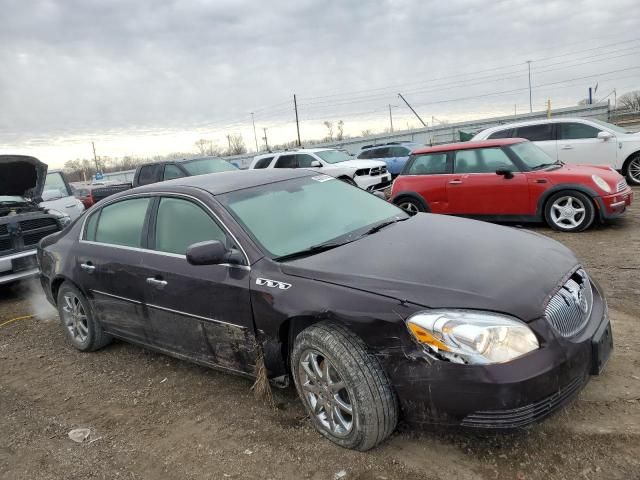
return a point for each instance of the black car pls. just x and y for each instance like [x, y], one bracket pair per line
[373, 313]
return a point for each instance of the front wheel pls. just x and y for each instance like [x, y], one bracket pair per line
[632, 170]
[343, 387]
[569, 211]
[410, 205]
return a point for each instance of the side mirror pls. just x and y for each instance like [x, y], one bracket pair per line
[505, 172]
[605, 136]
[212, 252]
[316, 163]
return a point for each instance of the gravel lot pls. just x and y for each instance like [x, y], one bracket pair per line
[154, 417]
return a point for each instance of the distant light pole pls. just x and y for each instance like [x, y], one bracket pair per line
[530, 102]
[255, 136]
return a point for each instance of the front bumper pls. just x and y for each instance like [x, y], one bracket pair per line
[613, 206]
[372, 184]
[502, 396]
[18, 266]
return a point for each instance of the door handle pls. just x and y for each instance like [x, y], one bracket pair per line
[87, 267]
[156, 282]
[566, 147]
[455, 182]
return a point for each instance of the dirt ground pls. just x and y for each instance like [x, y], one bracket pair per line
[153, 417]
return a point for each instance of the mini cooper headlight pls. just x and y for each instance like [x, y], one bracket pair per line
[473, 337]
[599, 181]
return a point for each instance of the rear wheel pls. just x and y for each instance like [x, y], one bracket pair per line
[343, 387]
[410, 205]
[569, 211]
[632, 170]
[82, 330]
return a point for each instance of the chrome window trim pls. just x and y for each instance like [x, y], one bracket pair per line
[158, 252]
[99, 292]
[192, 315]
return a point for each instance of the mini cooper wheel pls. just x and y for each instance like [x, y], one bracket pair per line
[343, 387]
[569, 212]
[80, 327]
[632, 170]
[410, 205]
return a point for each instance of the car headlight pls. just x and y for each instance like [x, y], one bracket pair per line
[471, 336]
[63, 218]
[601, 183]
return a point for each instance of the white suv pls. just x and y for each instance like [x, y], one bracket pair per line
[369, 175]
[578, 140]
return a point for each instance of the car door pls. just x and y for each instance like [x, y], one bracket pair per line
[286, 161]
[397, 158]
[579, 143]
[476, 189]
[304, 160]
[198, 311]
[543, 134]
[427, 175]
[111, 267]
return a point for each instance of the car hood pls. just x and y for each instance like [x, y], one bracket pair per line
[585, 172]
[440, 261]
[359, 164]
[22, 176]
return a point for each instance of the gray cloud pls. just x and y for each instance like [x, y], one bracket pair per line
[69, 67]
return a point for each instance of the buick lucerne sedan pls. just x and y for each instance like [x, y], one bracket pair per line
[374, 314]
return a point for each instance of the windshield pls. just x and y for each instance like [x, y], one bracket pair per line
[55, 186]
[207, 165]
[295, 215]
[333, 156]
[611, 126]
[532, 155]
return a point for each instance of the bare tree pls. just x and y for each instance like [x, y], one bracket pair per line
[329, 126]
[236, 145]
[340, 135]
[202, 145]
[366, 133]
[630, 100]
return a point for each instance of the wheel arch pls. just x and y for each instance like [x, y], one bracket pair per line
[566, 187]
[289, 330]
[627, 160]
[413, 196]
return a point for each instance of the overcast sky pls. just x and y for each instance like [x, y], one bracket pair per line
[145, 77]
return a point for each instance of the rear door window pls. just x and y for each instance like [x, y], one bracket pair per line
[507, 133]
[148, 174]
[536, 133]
[120, 223]
[172, 171]
[286, 161]
[399, 151]
[263, 162]
[576, 131]
[429, 164]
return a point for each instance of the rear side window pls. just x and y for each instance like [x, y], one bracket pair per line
[148, 174]
[501, 134]
[181, 223]
[536, 133]
[286, 161]
[399, 152]
[429, 164]
[482, 160]
[263, 162]
[120, 223]
[576, 131]
[172, 171]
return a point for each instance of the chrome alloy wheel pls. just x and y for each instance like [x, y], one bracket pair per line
[568, 212]
[326, 393]
[634, 169]
[409, 207]
[75, 318]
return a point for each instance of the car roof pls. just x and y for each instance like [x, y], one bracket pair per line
[224, 182]
[401, 143]
[540, 121]
[499, 142]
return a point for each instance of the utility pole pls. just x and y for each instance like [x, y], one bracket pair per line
[295, 106]
[254, 131]
[515, 110]
[549, 108]
[411, 108]
[95, 158]
[229, 142]
[615, 99]
[390, 118]
[530, 102]
[590, 96]
[266, 143]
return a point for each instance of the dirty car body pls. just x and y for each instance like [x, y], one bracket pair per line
[373, 280]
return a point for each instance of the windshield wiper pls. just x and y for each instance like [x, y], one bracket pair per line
[543, 165]
[380, 226]
[321, 247]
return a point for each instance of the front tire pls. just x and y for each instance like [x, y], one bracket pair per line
[410, 205]
[343, 387]
[569, 211]
[632, 170]
[80, 327]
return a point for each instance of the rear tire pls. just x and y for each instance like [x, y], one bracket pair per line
[410, 205]
[80, 327]
[632, 170]
[569, 211]
[343, 387]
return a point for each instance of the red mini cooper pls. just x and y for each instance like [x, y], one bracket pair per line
[509, 180]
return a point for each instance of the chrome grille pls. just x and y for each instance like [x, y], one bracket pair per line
[622, 185]
[569, 309]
